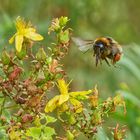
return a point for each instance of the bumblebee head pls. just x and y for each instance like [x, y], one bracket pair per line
[102, 42]
[99, 45]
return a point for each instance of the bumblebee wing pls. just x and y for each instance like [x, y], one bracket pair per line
[83, 45]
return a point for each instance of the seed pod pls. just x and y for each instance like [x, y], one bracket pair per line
[27, 118]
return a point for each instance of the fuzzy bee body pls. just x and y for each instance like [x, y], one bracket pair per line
[104, 48]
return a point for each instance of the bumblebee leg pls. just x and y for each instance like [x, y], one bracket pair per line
[97, 59]
[107, 61]
[98, 56]
[100, 61]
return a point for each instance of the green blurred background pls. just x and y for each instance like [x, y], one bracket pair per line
[90, 19]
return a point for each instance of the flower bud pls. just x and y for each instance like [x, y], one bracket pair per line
[41, 55]
[5, 58]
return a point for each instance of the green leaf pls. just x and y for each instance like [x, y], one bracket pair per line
[71, 118]
[5, 58]
[3, 135]
[49, 60]
[34, 132]
[50, 119]
[70, 136]
[1, 101]
[64, 36]
[131, 97]
[7, 115]
[130, 65]
[48, 133]
[101, 134]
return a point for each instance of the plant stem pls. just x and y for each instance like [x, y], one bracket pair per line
[2, 106]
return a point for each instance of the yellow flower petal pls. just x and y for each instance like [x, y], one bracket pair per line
[63, 87]
[27, 30]
[11, 40]
[63, 98]
[20, 23]
[33, 36]
[77, 105]
[24, 30]
[80, 93]
[52, 104]
[19, 41]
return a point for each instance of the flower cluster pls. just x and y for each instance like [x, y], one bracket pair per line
[28, 77]
[24, 31]
[67, 99]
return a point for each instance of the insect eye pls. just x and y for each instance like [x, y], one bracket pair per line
[99, 45]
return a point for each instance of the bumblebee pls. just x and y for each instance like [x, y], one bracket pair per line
[105, 48]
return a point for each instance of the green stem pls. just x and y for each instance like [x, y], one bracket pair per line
[9, 107]
[2, 106]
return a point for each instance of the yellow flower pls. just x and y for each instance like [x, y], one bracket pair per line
[24, 30]
[64, 96]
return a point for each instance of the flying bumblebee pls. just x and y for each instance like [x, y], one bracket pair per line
[104, 48]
